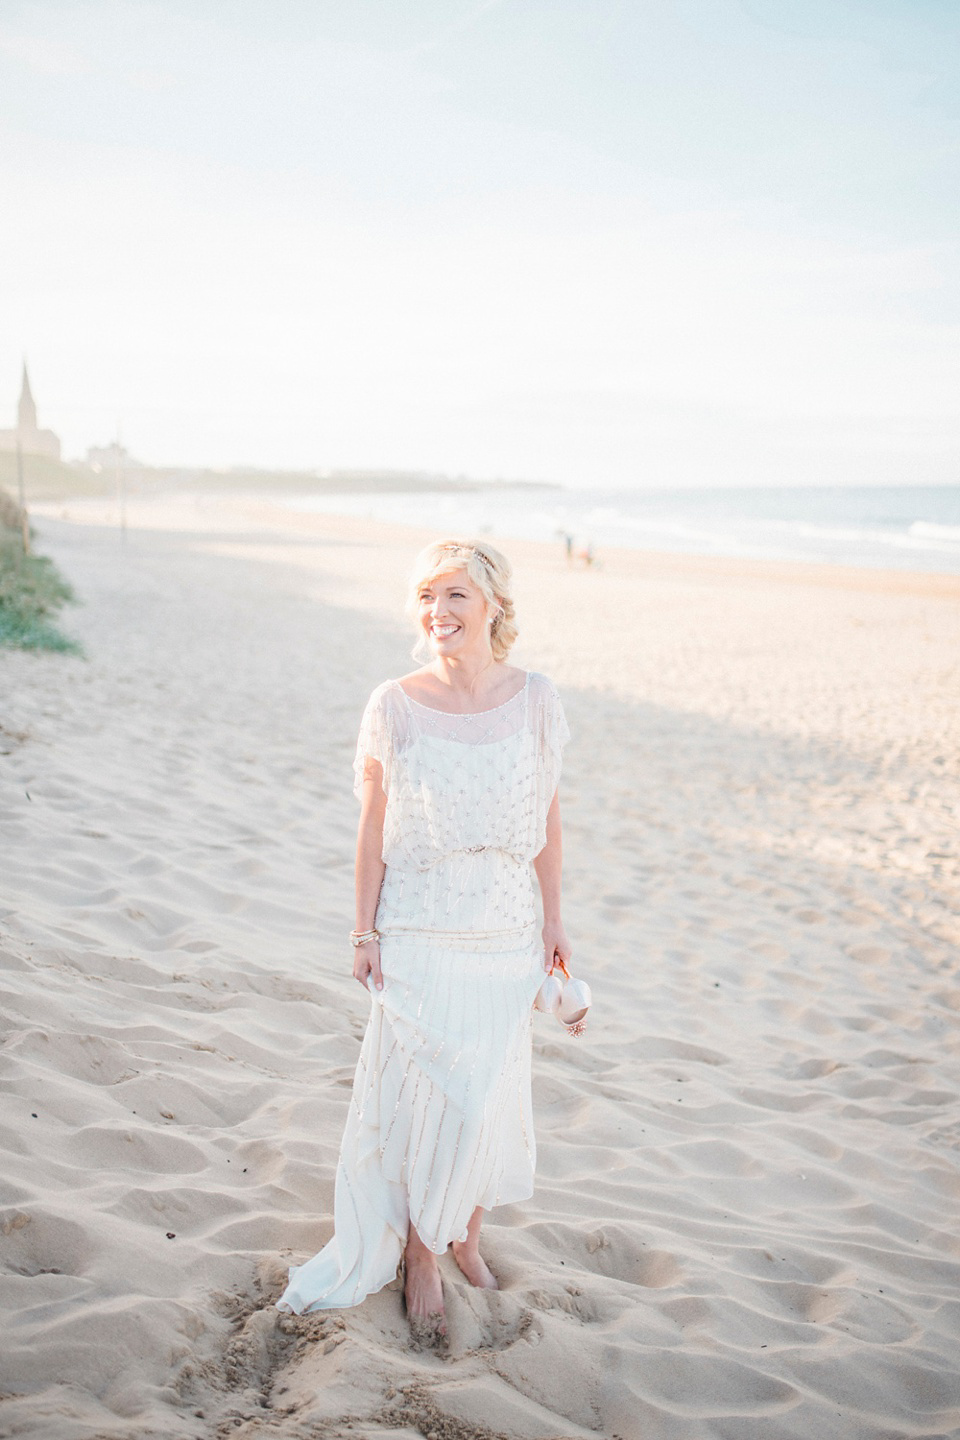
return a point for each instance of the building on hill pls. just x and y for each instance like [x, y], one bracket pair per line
[112, 457]
[28, 435]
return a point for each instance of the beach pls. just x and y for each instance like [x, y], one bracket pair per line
[745, 1225]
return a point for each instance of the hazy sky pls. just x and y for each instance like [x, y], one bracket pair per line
[596, 241]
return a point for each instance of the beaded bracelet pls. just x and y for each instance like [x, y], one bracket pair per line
[362, 937]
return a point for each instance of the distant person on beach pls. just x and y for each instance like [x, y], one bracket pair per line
[457, 768]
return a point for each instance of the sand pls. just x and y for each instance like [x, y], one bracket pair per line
[746, 1218]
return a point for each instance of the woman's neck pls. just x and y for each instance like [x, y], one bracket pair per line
[467, 674]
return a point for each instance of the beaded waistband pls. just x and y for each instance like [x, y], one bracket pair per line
[413, 932]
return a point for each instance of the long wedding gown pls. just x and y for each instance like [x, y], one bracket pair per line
[440, 1117]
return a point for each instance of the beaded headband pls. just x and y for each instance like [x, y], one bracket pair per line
[469, 550]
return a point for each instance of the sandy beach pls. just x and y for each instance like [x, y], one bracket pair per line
[746, 1224]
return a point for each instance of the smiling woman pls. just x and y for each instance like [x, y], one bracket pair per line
[457, 770]
[474, 593]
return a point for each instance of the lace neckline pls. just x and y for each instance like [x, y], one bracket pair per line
[465, 714]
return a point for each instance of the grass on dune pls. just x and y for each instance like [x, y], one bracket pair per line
[32, 591]
[47, 479]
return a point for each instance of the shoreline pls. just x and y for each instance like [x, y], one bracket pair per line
[215, 509]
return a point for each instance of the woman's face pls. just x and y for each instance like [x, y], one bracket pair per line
[453, 615]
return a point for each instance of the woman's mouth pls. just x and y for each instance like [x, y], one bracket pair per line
[443, 631]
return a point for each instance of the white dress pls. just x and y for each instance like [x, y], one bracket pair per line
[440, 1116]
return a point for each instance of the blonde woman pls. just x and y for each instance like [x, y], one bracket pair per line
[456, 770]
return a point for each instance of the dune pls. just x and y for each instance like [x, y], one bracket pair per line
[746, 1218]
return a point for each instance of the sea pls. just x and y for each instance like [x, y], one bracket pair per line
[909, 527]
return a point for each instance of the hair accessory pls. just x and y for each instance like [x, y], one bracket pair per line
[568, 999]
[469, 550]
[363, 937]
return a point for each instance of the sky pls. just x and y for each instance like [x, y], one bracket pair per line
[598, 242]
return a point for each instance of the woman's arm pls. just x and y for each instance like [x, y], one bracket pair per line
[548, 866]
[369, 871]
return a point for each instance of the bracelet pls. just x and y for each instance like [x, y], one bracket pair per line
[363, 937]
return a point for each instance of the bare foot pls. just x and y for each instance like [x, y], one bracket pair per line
[423, 1293]
[475, 1268]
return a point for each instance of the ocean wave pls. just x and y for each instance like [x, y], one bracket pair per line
[911, 539]
[615, 522]
[935, 532]
[883, 535]
[613, 526]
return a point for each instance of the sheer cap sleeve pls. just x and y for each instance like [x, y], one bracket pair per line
[552, 724]
[552, 732]
[375, 739]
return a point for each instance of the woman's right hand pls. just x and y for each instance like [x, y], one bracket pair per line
[366, 965]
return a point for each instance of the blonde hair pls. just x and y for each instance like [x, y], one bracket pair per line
[490, 571]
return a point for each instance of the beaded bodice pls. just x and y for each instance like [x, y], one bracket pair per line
[467, 800]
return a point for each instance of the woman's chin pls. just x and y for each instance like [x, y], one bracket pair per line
[444, 647]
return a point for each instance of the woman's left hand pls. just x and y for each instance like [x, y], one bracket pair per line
[555, 945]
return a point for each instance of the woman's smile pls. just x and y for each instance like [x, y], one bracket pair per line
[453, 614]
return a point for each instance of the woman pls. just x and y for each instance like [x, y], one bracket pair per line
[457, 769]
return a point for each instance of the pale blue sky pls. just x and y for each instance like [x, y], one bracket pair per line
[600, 242]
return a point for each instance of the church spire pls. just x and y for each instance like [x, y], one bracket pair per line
[27, 410]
